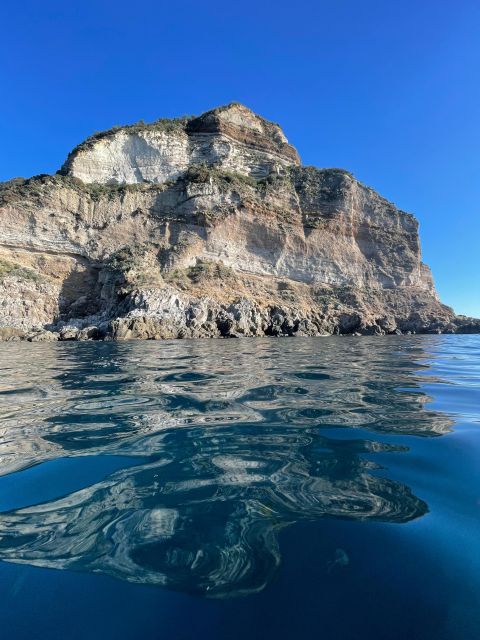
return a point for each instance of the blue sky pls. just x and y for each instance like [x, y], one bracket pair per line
[388, 90]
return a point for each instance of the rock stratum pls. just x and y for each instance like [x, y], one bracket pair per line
[207, 226]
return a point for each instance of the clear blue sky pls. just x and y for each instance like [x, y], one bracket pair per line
[389, 90]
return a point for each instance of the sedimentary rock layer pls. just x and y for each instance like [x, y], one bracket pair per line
[207, 226]
[232, 138]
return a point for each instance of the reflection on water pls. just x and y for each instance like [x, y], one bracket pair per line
[223, 444]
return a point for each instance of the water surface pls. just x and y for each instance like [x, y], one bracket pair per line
[288, 488]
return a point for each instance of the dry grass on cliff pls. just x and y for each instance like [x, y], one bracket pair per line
[18, 271]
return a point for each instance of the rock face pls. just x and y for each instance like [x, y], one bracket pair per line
[207, 226]
[231, 138]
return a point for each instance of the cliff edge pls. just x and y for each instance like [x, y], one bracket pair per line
[207, 226]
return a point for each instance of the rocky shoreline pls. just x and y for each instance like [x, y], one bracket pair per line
[203, 318]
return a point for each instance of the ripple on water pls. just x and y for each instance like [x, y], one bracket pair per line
[229, 443]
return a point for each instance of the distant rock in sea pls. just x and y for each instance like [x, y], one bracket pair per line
[207, 226]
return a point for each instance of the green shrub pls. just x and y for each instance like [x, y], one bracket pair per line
[37, 186]
[127, 258]
[202, 271]
[206, 270]
[202, 173]
[23, 273]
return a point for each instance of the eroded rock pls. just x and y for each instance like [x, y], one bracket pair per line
[207, 227]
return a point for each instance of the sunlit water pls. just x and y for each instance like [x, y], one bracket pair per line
[288, 488]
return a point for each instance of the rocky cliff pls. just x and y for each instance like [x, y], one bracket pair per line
[207, 226]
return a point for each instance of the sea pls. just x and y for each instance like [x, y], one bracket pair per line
[277, 488]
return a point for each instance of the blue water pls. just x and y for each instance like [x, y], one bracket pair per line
[278, 488]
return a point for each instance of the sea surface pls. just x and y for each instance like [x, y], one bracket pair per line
[301, 488]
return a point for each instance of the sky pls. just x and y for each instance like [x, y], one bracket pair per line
[388, 90]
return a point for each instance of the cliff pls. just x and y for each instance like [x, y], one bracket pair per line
[207, 226]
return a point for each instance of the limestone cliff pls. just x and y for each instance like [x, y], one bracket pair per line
[207, 226]
[232, 138]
